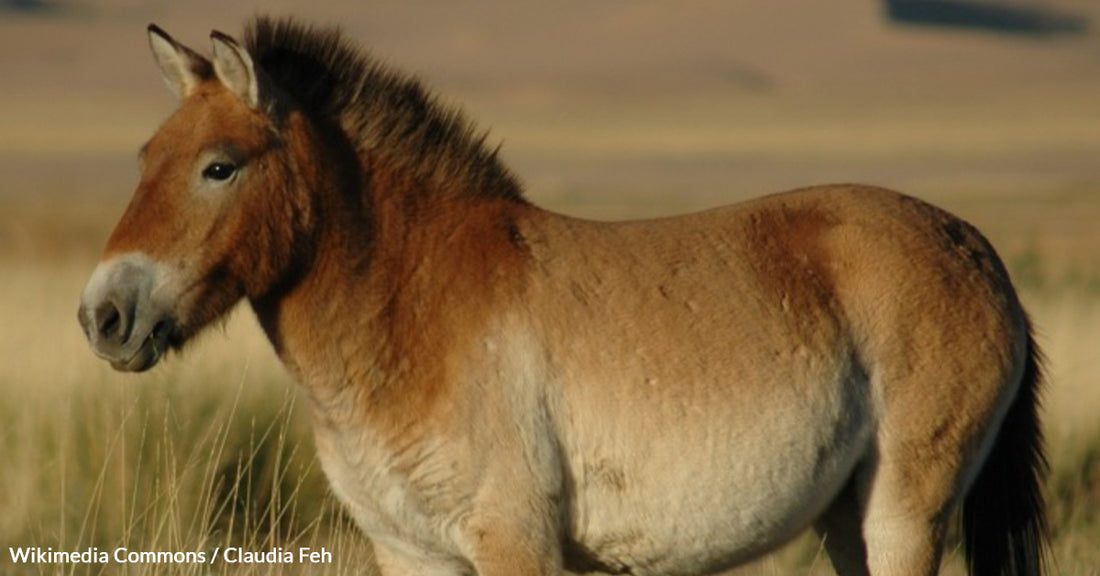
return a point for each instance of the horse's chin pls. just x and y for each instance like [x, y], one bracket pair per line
[139, 363]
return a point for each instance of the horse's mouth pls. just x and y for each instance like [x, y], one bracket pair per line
[153, 347]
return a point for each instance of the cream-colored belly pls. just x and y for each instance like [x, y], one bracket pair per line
[691, 496]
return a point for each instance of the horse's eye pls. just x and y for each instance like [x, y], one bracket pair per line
[219, 171]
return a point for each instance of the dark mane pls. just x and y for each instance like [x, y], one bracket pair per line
[379, 109]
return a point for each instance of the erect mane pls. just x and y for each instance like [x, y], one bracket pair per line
[379, 109]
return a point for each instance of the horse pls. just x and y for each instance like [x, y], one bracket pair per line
[497, 389]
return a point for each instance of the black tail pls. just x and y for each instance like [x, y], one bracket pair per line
[1004, 519]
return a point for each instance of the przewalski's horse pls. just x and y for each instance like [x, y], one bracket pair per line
[499, 390]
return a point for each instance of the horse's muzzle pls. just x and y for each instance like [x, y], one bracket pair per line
[124, 315]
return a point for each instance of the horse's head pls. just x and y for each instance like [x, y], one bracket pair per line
[215, 217]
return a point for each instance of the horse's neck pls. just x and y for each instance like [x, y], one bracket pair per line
[383, 290]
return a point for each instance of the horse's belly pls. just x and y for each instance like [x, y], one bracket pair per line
[712, 498]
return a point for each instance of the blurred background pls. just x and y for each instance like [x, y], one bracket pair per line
[608, 109]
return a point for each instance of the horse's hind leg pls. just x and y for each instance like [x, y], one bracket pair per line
[890, 518]
[928, 446]
[904, 529]
[875, 527]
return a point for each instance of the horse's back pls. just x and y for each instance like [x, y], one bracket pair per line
[809, 267]
[827, 258]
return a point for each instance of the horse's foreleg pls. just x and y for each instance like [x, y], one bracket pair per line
[512, 539]
[391, 563]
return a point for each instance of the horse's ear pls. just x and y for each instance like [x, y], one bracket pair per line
[183, 69]
[234, 67]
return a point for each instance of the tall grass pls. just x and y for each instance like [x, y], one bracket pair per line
[213, 448]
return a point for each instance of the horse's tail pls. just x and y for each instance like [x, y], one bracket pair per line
[1004, 519]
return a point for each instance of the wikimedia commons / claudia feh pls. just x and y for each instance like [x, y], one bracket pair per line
[229, 555]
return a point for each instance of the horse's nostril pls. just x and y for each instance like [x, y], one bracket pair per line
[108, 322]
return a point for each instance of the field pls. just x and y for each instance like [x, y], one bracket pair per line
[606, 110]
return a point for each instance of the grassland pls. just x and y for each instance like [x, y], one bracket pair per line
[676, 111]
